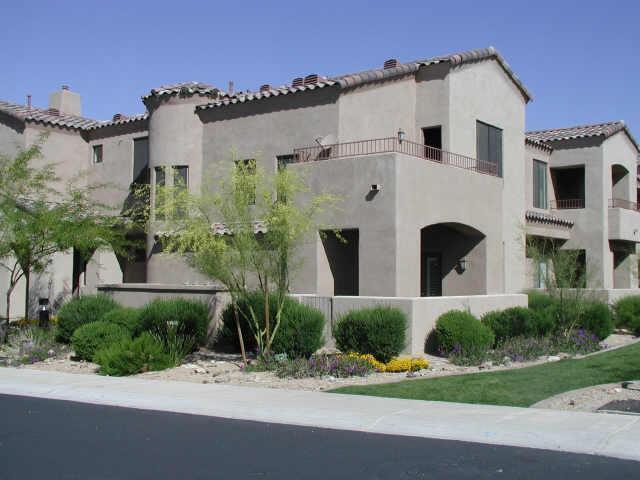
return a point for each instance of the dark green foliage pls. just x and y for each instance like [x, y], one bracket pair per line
[128, 357]
[512, 322]
[596, 318]
[627, 313]
[129, 318]
[94, 336]
[539, 300]
[379, 331]
[78, 311]
[191, 317]
[299, 333]
[458, 332]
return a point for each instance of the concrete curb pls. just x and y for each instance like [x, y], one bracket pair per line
[590, 433]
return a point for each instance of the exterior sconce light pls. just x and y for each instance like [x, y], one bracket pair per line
[462, 265]
[43, 313]
[401, 135]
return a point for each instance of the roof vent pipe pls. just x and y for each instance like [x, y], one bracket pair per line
[29, 101]
[391, 63]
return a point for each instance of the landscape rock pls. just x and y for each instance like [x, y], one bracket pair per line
[553, 358]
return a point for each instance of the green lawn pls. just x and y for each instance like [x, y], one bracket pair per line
[522, 387]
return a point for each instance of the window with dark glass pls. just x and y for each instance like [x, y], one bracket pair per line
[489, 148]
[539, 184]
[161, 182]
[97, 154]
[180, 185]
[283, 161]
[141, 160]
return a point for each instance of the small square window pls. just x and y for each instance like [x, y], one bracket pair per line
[97, 154]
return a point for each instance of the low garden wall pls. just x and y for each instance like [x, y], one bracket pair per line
[422, 312]
[136, 295]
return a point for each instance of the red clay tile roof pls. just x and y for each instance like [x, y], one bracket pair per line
[375, 75]
[183, 88]
[539, 217]
[581, 131]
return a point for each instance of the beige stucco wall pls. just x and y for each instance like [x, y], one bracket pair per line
[482, 91]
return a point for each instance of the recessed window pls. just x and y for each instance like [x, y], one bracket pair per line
[161, 181]
[180, 185]
[249, 167]
[141, 160]
[539, 184]
[489, 148]
[97, 154]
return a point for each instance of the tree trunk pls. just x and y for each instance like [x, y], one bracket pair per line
[27, 281]
[4, 326]
[267, 314]
[240, 337]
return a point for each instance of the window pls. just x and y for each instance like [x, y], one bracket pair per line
[248, 167]
[141, 160]
[541, 274]
[97, 154]
[180, 184]
[489, 148]
[539, 184]
[161, 182]
[283, 161]
[432, 142]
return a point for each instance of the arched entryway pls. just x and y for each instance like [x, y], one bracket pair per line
[453, 260]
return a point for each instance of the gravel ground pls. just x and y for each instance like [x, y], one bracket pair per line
[588, 399]
[206, 366]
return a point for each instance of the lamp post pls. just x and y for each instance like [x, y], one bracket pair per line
[43, 313]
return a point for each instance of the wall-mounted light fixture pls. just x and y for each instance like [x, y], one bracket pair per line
[376, 187]
[461, 265]
[401, 135]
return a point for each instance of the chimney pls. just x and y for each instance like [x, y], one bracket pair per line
[65, 101]
[29, 101]
[311, 79]
[265, 88]
[230, 89]
[391, 63]
[297, 82]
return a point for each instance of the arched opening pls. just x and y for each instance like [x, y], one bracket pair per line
[620, 183]
[453, 260]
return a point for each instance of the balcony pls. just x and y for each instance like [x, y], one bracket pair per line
[624, 220]
[394, 145]
[567, 204]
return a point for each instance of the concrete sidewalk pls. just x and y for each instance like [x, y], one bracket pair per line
[610, 435]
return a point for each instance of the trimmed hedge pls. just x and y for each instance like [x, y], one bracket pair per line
[128, 357]
[596, 318]
[460, 332]
[94, 336]
[511, 322]
[379, 331]
[128, 318]
[299, 333]
[627, 313]
[82, 310]
[192, 318]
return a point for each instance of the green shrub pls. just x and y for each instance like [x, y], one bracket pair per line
[94, 336]
[128, 318]
[596, 318]
[379, 331]
[177, 345]
[544, 321]
[81, 310]
[299, 333]
[191, 317]
[511, 322]
[627, 313]
[131, 356]
[539, 300]
[460, 332]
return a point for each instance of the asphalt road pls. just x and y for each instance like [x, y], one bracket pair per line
[52, 439]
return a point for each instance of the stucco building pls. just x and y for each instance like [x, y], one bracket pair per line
[440, 185]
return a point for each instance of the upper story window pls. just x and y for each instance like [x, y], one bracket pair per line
[160, 182]
[539, 184]
[141, 160]
[181, 177]
[180, 185]
[283, 161]
[97, 154]
[249, 167]
[489, 147]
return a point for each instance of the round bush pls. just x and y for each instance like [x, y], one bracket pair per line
[299, 333]
[128, 318]
[596, 318]
[379, 331]
[539, 300]
[128, 357]
[544, 321]
[512, 322]
[94, 336]
[191, 317]
[627, 313]
[82, 310]
[460, 331]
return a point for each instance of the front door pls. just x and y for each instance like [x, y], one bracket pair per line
[431, 281]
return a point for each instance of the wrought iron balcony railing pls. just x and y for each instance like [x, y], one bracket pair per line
[621, 203]
[394, 145]
[567, 204]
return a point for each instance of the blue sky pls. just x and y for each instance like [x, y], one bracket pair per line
[581, 59]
